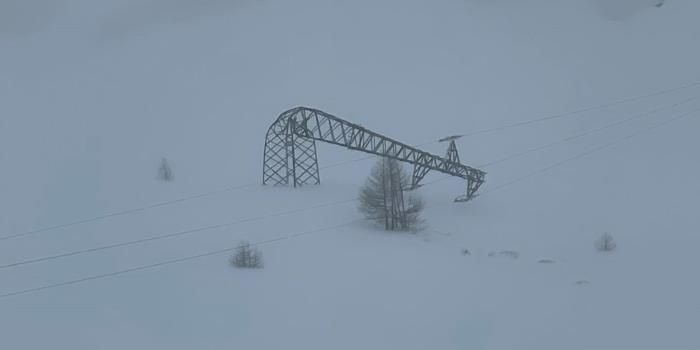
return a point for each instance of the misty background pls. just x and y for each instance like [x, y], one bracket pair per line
[94, 93]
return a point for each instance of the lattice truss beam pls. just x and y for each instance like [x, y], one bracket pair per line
[290, 150]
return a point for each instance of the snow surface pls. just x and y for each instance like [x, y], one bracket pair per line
[93, 93]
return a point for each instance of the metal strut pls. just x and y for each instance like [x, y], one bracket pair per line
[290, 150]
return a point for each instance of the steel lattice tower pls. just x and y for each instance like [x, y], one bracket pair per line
[290, 150]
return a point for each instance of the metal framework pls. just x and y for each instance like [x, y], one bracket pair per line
[290, 150]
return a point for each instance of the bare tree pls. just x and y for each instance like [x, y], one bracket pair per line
[606, 243]
[165, 172]
[247, 257]
[383, 199]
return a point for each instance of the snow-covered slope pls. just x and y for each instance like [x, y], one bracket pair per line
[93, 93]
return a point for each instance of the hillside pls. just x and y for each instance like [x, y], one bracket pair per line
[93, 93]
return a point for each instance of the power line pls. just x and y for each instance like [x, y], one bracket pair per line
[234, 188]
[170, 262]
[572, 113]
[582, 110]
[221, 251]
[124, 212]
[593, 131]
[145, 208]
[174, 234]
[298, 210]
[589, 152]
[581, 155]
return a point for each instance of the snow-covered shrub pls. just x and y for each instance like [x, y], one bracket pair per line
[165, 172]
[246, 257]
[605, 243]
[510, 254]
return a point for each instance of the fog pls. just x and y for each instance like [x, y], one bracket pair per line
[95, 93]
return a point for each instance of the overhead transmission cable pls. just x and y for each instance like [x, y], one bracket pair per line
[580, 155]
[591, 151]
[582, 110]
[235, 188]
[318, 206]
[174, 234]
[586, 133]
[227, 250]
[141, 209]
[123, 212]
[172, 261]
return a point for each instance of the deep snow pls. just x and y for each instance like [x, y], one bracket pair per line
[93, 93]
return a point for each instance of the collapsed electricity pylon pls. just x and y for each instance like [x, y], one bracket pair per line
[290, 150]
